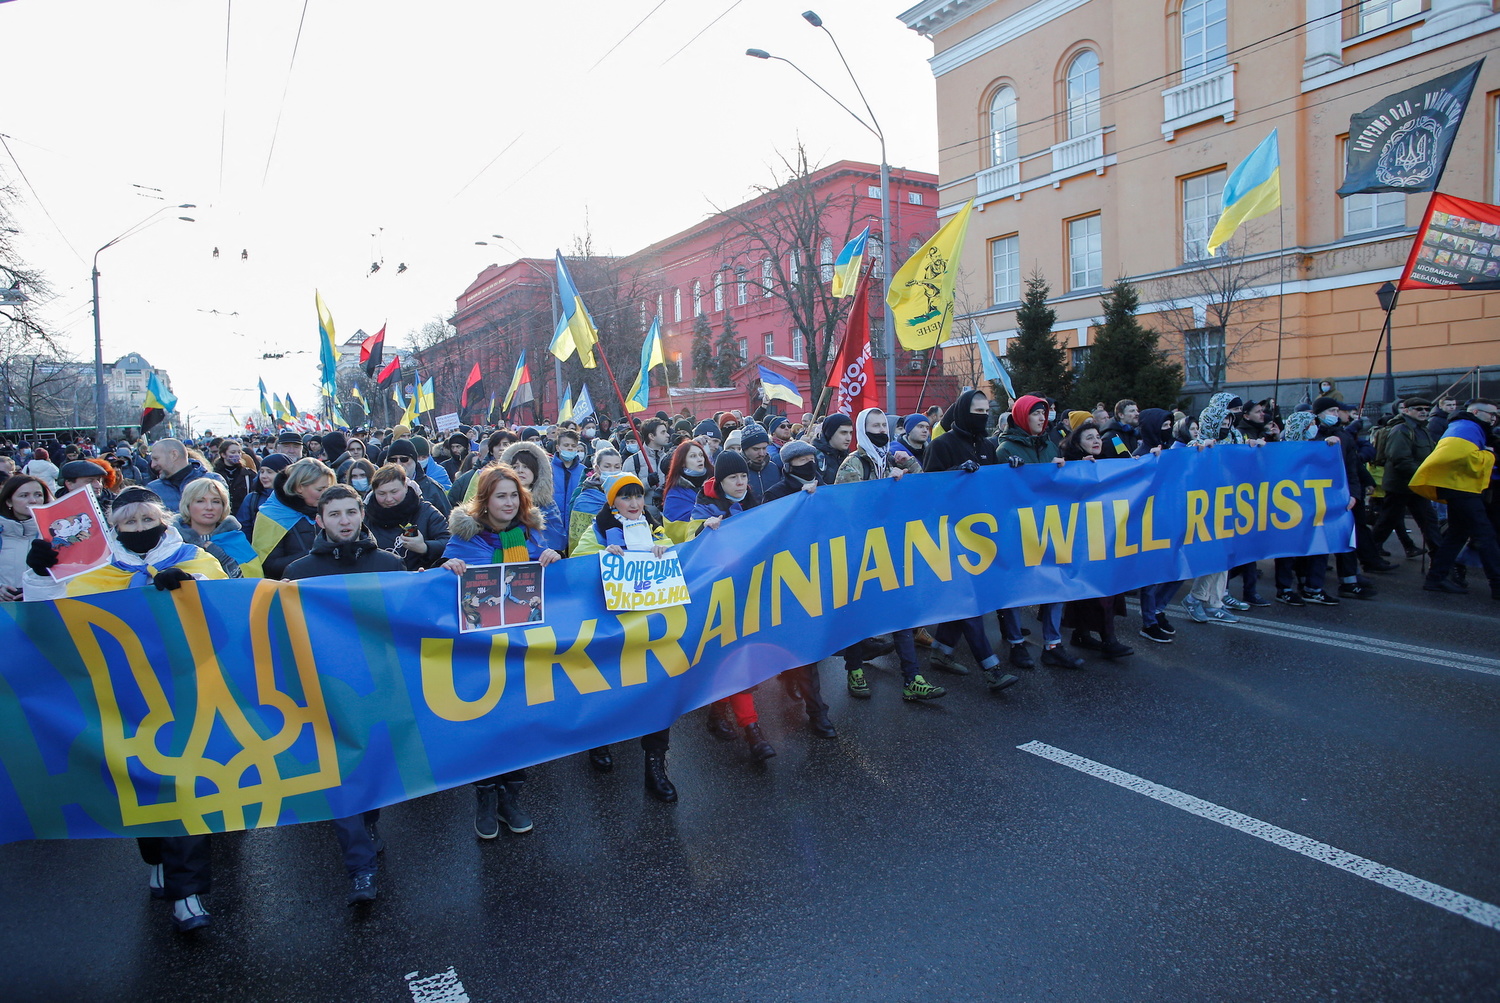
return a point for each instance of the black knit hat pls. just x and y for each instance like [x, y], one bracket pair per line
[833, 423]
[729, 462]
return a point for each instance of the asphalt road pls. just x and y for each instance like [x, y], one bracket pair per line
[920, 856]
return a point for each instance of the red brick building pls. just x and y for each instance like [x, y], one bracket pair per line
[746, 266]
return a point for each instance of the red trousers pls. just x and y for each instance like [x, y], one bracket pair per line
[743, 705]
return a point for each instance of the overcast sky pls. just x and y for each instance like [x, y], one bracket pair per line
[428, 125]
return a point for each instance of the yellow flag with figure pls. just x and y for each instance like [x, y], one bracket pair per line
[921, 293]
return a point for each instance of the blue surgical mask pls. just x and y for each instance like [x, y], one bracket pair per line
[567, 455]
[1331, 418]
[632, 447]
[360, 484]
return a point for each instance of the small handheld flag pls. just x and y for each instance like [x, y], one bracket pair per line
[575, 328]
[583, 407]
[776, 387]
[921, 292]
[1253, 189]
[846, 265]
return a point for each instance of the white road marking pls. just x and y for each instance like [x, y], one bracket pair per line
[443, 987]
[1357, 642]
[1425, 891]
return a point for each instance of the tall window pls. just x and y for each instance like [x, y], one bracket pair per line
[659, 311]
[643, 315]
[799, 346]
[697, 298]
[1003, 126]
[825, 258]
[1083, 94]
[1005, 268]
[1379, 13]
[1085, 253]
[740, 294]
[718, 291]
[1372, 211]
[769, 344]
[744, 348]
[766, 272]
[792, 275]
[1202, 201]
[677, 304]
[1205, 37]
[1205, 355]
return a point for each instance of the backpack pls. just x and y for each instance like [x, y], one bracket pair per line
[1378, 439]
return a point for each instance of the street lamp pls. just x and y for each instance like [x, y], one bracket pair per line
[1387, 296]
[552, 289]
[887, 238]
[100, 430]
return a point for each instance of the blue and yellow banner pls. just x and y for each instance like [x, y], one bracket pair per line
[235, 704]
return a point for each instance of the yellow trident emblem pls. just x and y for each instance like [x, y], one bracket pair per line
[133, 753]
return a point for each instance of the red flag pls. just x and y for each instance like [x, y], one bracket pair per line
[853, 372]
[393, 367]
[472, 381]
[1456, 247]
[371, 350]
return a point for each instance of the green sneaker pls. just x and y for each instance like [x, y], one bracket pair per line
[859, 686]
[921, 689]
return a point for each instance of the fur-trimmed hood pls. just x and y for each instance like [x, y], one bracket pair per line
[465, 527]
[541, 490]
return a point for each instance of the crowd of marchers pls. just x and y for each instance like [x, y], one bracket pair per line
[290, 506]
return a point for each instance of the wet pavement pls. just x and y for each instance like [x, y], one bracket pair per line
[919, 856]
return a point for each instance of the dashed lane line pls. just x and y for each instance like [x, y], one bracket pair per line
[1407, 884]
[441, 987]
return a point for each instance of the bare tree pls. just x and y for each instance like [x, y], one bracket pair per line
[1218, 308]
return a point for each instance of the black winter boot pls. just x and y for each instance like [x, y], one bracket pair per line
[760, 749]
[658, 784]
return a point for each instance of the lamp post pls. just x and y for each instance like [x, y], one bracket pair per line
[1387, 296]
[888, 331]
[100, 430]
[552, 289]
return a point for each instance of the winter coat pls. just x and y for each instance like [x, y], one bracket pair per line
[128, 570]
[605, 530]
[1407, 444]
[711, 503]
[228, 545]
[1119, 439]
[860, 467]
[918, 452]
[241, 481]
[284, 531]
[677, 504]
[763, 480]
[635, 463]
[828, 459]
[250, 508]
[787, 487]
[566, 481]
[360, 555]
[385, 525]
[434, 495]
[956, 445]
[1029, 448]
[433, 469]
[44, 470]
[1149, 431]
[15, 542]
[472, 543]
[170, 488]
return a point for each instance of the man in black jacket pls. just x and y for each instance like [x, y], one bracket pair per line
[344, 547]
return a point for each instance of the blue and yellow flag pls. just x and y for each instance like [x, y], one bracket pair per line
[159, 401]
[846, 265]
[424, 395]
[565, 412]
[1253, 189]
[652, 354]
[281, 411]
[328, 349]
[265, 405]
[354, 392]
[776, 387]
[575, 328]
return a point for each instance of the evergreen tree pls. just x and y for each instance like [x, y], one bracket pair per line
[727, 357]
[1035, 359]
[703, 352]
[1126, 360]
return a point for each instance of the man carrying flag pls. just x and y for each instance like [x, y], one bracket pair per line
[921, 292]
[652, 354]
[846, 265]
[575, 328]
[1253, 189]
[371, 350]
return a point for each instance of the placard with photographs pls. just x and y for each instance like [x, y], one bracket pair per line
[1457, 247]
[496, 596]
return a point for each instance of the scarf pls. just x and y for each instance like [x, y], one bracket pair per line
[513, 544]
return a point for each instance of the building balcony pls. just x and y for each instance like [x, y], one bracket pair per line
[1198, 100]
[999, 177]
[1078, 156]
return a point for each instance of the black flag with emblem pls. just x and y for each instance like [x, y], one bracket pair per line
[1401, 143]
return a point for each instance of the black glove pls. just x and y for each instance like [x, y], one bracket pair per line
[41, 556]
[171, 579]
[653, 479]
[1016, 461]
[968, 466]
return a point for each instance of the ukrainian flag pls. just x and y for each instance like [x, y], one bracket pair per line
[265, 405]
[846, 265]
[652, 354]
[1253, 189]
[776, 387]
[565, 413]
[328, 349]
[575, 329]
[424, 396]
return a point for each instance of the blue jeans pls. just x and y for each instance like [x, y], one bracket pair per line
[1048, 614]
[906, 650]
[971, 629]
[1155, 599]
[358, 846]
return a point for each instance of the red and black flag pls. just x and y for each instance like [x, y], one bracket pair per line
[474, 383]
[393, 367]
[371, 350]
[1457, 247]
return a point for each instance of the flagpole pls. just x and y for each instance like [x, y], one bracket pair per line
[1280, 304]
[645, 454]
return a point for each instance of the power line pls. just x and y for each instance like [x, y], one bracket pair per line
[224, 116]
[705, 28]
[284, 87]
[40, 204]
[623, 37]
[487, 166]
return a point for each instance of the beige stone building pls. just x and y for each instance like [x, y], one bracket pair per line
[1096, 137]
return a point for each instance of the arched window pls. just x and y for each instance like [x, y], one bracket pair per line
[718, 291]
[697, 298]
[1083, 94]
[825, 255]
[1003, 127]
[1205, 37]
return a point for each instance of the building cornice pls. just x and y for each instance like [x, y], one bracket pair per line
[1000, 33]
[932, 16]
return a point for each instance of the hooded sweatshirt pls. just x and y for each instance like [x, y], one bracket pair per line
[962, 439]
[870, 461]
[1212, 418]
[1150, 431]
[1019, 442]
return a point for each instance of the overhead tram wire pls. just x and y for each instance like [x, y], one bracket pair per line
[40, 204]
[1112, 97]
[705, 28]
[623, 37]
[296, 44]
[487, 166]
[224, 111]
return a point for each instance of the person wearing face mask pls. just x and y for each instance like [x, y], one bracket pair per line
[590, 500]
[358, 474]
[402, 522]
[685, 476]
[1333, 424]
[238, 470]
[146, 550]
[916, 432]
[1458, 471]
[568, 472]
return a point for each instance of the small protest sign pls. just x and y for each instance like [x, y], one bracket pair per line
[636, 580]
[75, 527]
[492, 596]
